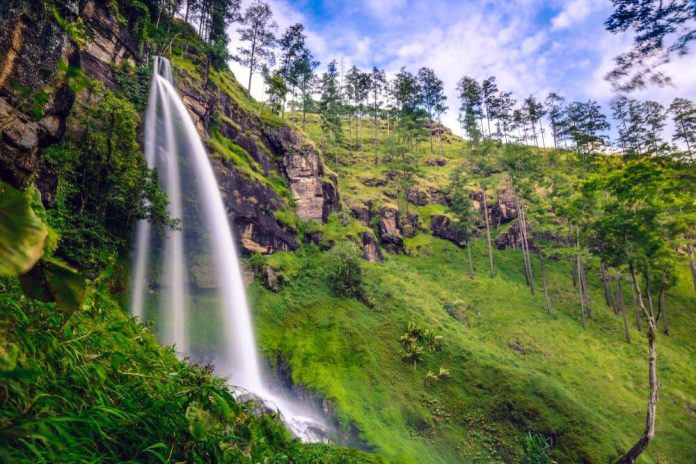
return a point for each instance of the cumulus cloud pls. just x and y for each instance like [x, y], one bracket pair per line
[575, 12]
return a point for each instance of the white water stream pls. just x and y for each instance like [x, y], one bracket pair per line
[173, 146]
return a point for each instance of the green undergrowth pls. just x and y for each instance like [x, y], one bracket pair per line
[98, 388]
[513, 369]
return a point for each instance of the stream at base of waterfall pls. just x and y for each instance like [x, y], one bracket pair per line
[209, 322]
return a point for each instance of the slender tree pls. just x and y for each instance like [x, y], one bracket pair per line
[432, 97]
[470, 107]
[684, 117]
[378, 86]
[259, 31]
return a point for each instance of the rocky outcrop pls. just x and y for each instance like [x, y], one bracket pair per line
[389, 230]
[370, 247]
[441, 226]
[251, 205]
[33, 102]
[315, 198]
[417, 197]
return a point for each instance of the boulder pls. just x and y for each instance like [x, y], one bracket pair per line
[417, 197]
[370, 247]
[389, 231]
[441, 226]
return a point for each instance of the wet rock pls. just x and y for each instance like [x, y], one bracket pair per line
[441, 226]
[389, 231]
[370, 247]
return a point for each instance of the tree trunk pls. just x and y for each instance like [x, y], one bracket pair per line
[582, 295]
[468, 252]
[583, 287]
[545, 283]
[251, 66]
[620, 304]
[603, 275]
[634, 302]
[488, 234]
[649, 432]
[692, 266]
[663, 312]
[442, 144]
[525, 245]
[432, 150]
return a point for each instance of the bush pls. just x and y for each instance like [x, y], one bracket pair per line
[345, 274]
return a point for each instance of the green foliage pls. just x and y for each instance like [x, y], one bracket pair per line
[100, 388]
[53, 281]
[345, 275]
[22, 233]
[134, 83]
[103, 185]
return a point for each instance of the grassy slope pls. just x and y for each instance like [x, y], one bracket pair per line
[513, 368]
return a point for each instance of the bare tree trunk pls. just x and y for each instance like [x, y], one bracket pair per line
[442, 144]
[692, 266]
[663, 311]
[619, 300]
[583, 287]
[430, 129]
[649, 432]
[525, 244]
[582, 295]
[488, 233]
[545, 283]
[634, 301]
[468, 252]
[603, 275]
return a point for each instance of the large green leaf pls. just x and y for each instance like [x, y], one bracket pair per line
[22, 233]
[52, 280]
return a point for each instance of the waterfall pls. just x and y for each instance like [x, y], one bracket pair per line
[203, 327]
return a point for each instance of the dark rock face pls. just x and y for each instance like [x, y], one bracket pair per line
[251, 206]
[441, 227]
[33, 104]
[502, 211]
[362, 214]
[389, 231]
[417, 197]
[370, 247]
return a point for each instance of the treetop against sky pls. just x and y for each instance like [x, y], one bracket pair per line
[531, 46]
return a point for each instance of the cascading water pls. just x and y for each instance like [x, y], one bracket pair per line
[202, 240]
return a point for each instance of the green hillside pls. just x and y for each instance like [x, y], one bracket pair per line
[514, 369]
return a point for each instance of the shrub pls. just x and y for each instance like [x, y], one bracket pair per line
[345, 275]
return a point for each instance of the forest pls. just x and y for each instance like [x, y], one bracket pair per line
[216, 248]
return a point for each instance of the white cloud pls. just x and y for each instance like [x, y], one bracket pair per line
[574, 12]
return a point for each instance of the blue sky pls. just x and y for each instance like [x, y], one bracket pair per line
[531, 46]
